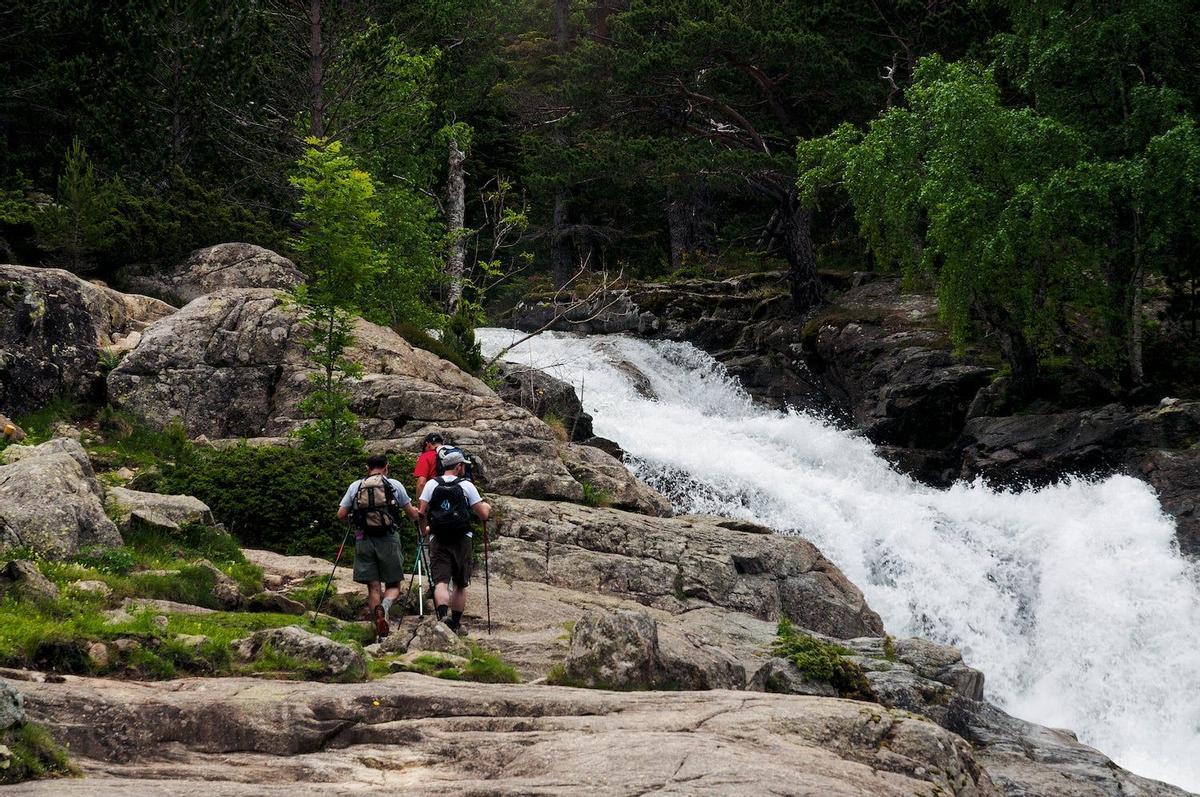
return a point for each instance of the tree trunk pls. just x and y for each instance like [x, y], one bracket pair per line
[689, 225]
[456, 203]
[316, 71]
[562, 34]
[803, 281]
[560, 244]
[1136, 372]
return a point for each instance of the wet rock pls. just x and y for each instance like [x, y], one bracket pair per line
[51, 502]
[336, 659]
[191, 640]
[53, 326]
[1175, 476]
[22, 579]
[1039, 449]
[228, 265]
[544, 396]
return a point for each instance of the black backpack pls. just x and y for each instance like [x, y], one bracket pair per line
[449, 513]
[376, 509]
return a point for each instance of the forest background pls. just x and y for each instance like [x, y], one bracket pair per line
[1037, 164]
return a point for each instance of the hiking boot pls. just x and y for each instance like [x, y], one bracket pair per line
[382, 628]
[457, 628]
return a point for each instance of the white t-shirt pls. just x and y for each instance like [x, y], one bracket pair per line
[469, 490]
[401, 494]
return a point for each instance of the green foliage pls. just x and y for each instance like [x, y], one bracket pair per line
[126, 440]
[593, 496]
[39, 425]
[483, 666]
[283, 499]
[459, 337]
[118, 561]
[34, 755]
[338, 253]
[82, 220]
[160, 224]
[423, 340]
[821, 661]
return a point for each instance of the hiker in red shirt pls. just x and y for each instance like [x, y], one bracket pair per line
[427, 463]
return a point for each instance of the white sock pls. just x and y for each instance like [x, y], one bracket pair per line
[387, 605]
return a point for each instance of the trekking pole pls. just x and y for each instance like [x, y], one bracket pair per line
[329, 580]
[487, 581]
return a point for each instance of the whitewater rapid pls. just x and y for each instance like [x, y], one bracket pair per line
[1072, 599]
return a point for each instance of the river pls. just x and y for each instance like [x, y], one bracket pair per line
[1073, 599]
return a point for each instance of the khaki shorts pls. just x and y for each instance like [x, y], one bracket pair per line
[451, 561]
[378, 559]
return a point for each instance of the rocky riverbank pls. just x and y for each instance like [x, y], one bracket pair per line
[720, 657]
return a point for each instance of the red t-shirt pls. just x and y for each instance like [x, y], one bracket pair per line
[426, 465]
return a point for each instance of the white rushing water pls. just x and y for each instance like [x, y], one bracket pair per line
[1073, 599]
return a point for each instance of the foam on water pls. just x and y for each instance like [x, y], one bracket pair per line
[1072, 599]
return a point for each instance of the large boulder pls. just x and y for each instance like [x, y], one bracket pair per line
[51, 502]
[614, 650]
[156, 509]
[335, 659]
[546, 397]
[53, 328]
[233, 364]
[229, 265]
[679, 564]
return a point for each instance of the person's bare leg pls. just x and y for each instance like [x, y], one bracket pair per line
[458, 599]
[372, 597]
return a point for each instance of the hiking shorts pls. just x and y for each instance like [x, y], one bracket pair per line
[452, 561]
[378, 559]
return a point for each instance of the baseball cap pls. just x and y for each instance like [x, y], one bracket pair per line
[451, 456]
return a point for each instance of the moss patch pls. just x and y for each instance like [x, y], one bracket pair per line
[822, 661]
[483, 666]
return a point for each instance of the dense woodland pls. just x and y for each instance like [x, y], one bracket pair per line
[1035, 163]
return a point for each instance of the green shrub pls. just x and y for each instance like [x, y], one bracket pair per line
[822, 661]
[34, 755]
[593, 496]
[114, 561]
[282, 499]
[126, 441]
[423, 340]
[39, 423]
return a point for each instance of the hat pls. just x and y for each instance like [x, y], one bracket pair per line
[451, 456]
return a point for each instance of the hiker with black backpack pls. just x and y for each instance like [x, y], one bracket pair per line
[446, 506]
[373, 505]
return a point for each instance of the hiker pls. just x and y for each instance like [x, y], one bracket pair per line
[446, 505]
[427, 463]
[373, 505]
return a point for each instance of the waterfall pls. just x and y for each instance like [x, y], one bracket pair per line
[1072, 599]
